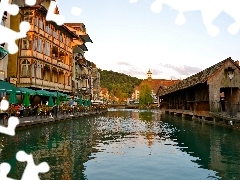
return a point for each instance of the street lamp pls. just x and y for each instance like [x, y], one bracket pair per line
[57, 99]
[230, 71]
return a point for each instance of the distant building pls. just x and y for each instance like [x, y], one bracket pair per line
[155, 84]
[104, 94]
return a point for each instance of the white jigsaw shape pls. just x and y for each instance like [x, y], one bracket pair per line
[4, 170]
[10, 129]
[210, 9]
[30, 2]
[12, 121]
[59, 19]
[31, 171]
[76, 11]
[13, 9]
[7, 35]
[4, 104]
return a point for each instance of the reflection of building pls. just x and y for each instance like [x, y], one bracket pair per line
[44, 59]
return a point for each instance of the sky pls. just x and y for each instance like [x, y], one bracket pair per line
[129, 37]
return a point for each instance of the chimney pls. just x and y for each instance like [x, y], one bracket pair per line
[237, 62]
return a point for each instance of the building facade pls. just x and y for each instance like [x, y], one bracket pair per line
[44, 59]
[5, 21]
[84, 72]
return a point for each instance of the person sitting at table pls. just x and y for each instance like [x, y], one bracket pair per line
[11, 110]
[17, 109]
[21, 108]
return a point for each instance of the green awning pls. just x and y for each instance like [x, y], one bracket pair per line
[8, 87]
[4, 53]
[43, 93]
[26, 90]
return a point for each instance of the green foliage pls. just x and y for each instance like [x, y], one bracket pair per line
[145, 96]
[119, 85]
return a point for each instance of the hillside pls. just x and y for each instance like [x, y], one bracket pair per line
[119, 85]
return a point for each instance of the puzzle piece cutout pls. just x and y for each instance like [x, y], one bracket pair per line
[30, 2]
[12, 9]
[59, 19]
[4, 170]
[9, 36]
[10, 129]
[210, 9]
[31, 171]
[12, 121]
[76, 11]
[4, 104]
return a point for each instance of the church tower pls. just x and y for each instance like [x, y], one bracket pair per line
[149, 74]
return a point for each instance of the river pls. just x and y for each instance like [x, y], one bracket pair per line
[129, 145]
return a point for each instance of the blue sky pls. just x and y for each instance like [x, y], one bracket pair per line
[130, 38]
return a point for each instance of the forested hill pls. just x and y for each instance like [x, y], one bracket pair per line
[118, 84]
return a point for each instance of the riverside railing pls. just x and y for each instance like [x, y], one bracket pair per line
[47, 112]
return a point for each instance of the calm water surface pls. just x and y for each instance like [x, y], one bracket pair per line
[127, 144]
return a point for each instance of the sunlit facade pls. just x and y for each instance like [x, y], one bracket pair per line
[85, 75]
[44, 59]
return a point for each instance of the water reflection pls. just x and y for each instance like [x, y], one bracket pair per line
[142, 144]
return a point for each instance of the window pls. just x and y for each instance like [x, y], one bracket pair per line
[39, 70]
[25, 67]
[67, 41]
[40, 24]
[36, 21]
[35, 44]
[28, 19]
[26, 44]
[47, 48]
[2, 22]
[61, 38]
[40, 45]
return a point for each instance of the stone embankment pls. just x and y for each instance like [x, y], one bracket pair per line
[40, 120]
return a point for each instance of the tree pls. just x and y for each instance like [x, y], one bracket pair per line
[145, 95]
[118, 84]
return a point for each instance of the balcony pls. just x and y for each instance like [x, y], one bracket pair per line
[66, 66]
[26, 53]
[69, 88]
[54, 61]
[85, 90]
[85, 76]
[60, 64]
[25, 80]
[55, 41]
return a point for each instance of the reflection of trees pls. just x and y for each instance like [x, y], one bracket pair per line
[147, 116]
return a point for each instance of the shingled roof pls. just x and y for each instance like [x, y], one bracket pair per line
[156, 83]
[195, 79]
